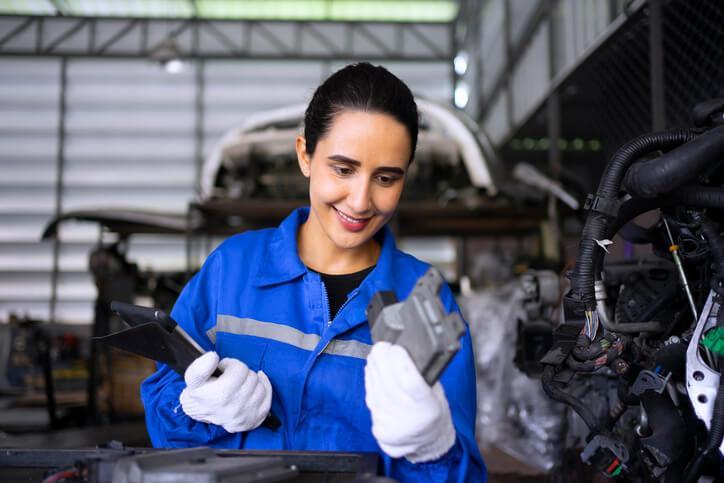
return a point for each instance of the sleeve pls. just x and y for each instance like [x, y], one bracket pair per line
[463, 462]
[168, 426]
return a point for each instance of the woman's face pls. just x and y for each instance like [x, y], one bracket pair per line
[356, 175]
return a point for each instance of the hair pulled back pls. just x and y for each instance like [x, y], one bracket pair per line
[360, 87]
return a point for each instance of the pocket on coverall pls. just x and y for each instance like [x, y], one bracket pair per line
[248, 350]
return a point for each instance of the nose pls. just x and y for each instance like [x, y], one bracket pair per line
[359, 198]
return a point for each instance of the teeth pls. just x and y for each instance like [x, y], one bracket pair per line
[349, 218]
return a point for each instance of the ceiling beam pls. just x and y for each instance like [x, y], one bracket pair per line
[222, 39]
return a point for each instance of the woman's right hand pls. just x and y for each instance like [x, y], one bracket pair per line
[238, 400]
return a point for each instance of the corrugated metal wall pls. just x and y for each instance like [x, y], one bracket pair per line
[576, 24]
[130, 140]
[29, 95]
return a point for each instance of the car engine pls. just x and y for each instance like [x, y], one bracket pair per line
[639, 352]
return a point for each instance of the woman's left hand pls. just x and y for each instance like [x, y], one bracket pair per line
[409, 418]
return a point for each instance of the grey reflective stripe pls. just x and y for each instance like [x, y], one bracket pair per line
[350, 348]
[286, 334]
[265, 330]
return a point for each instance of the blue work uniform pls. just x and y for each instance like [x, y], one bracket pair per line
[256, 301]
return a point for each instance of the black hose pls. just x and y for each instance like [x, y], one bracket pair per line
[633, 150]
[715, 245]
[608, 189]
[700, 196]
[583, 278]
[694, 196]
[655, 177]
[717, 251]
[639, 235]
[560, 395]
[633, 208]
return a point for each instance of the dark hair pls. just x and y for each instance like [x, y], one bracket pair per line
[360, 87]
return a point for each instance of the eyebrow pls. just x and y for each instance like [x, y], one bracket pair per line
[384, 169]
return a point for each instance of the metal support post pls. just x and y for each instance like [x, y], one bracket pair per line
[60, 168]
[553, 111]
[509, 63]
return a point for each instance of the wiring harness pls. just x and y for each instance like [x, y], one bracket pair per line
[622, 358]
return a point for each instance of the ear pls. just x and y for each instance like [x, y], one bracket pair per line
[302, 156]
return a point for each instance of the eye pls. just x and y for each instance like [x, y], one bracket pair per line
[342, 170]
[386, 180]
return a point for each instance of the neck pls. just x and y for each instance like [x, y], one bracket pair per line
[319, 253]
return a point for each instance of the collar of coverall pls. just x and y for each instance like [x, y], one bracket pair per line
[281, 262]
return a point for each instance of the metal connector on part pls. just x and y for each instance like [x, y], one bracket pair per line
[419, 324]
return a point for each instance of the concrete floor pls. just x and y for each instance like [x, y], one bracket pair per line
[129, 433]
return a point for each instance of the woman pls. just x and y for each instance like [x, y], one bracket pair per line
[284, 310]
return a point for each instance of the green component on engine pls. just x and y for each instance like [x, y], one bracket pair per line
[714, 341]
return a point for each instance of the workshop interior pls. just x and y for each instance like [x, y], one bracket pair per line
[568, 185]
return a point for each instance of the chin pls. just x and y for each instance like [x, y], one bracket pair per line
[350, 240]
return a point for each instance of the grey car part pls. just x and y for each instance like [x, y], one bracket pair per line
[420, 324]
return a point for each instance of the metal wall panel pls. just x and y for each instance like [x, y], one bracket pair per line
[130, 140]
[497, 123]
[521, 12]
[531, 75]
[29, 94]
[578, 23]
[576, 26]
[129, 144]
[430, 80]
[235, 90]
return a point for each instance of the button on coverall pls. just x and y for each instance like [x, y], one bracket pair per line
[256, 301]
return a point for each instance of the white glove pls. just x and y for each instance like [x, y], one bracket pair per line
[238, 400]
[409, 418]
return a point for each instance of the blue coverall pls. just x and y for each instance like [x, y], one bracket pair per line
[256, 301]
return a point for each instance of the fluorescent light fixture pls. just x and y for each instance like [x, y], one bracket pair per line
[436, 11]
[168, 55]
[462, 94]
[460, 63]
[336, 10]
[173, 66]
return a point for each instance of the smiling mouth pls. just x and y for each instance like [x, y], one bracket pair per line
[350, 223]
